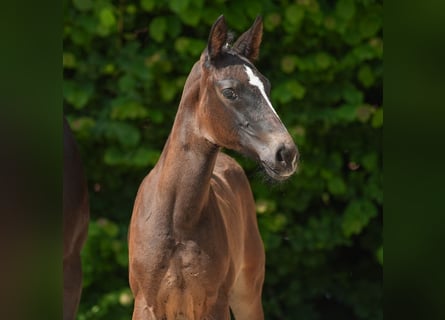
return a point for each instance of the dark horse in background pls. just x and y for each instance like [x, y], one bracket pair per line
[75, 223]
[194, 245]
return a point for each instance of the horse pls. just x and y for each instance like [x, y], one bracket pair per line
[75, 222]
[195, 250]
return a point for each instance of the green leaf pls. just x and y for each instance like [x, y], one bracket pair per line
[131, 9]
[80, 37]
[126, 83]
[288, 64]
[370, 24]
[272, 21]
[114, 157]
[364, 112]
[69, 60]
[373, 190]
[336, 186]
[191, 16]
[254, 8]
[357, 216]
[196, 47]
[369, 161]
[128, 110]
[186, 45]
[77, 94]
[352, 36]
[289, 90]
[178, 6]
[271, 241]
[156, 116]
[107, 18]
[82, 126]
[296, 88]
[330, 23]
[346, 113]
[83, 5]
[148, 5]
[235, 16]
[366, 76]
[126, 134]
[158, 28]
[140, 157]
[168, 90]
[323, 60]
[174, 27]
[109, 68]
[345, 9]
[377, 119]
[326, 174]
[144, 157]
[294, 14]
[110, 228]
[182, 44]
[274, 222]
[352, 95]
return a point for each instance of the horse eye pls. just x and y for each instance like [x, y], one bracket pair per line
[229, 94]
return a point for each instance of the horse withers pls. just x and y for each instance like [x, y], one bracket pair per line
[195, 250]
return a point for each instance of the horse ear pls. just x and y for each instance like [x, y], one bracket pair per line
[217, 38]
[248, 44]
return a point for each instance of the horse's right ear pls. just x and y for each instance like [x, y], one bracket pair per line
[217, 38]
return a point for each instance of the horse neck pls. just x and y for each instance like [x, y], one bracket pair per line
[187, 161]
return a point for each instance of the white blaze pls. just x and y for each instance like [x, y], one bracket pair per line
[255, 81]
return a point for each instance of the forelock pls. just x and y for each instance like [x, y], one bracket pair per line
[230, 57]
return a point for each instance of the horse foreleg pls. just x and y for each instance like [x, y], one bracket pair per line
[219, 311]
[141, 310]
[245, 298]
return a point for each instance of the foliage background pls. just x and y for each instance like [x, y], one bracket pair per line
[125, 64]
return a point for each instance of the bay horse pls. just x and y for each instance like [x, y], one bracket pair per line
[195, 250]
[75, 222]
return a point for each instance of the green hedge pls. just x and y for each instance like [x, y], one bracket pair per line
[125, 64]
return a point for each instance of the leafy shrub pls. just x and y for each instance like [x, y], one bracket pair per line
[125, 64]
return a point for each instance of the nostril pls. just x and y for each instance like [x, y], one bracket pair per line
[280, 156]
[287, 156]
[284, 155]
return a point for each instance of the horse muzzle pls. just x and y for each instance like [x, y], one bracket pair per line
[281, 162]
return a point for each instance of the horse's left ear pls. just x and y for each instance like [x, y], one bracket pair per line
[248, 44]
[217, 38]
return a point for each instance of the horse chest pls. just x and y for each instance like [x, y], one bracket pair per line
[200, 254]
[193, 279]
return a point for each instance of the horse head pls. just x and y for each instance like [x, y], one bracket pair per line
[235, 109]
